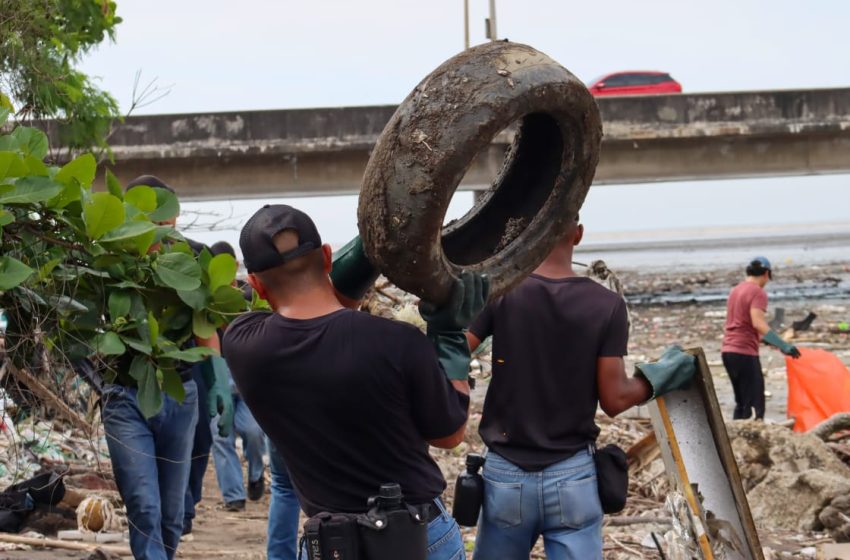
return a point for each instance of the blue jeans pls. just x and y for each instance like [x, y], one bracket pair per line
[228, 468]
[201, 444]
[284, 511]
[150, 459]
[560, 502]
[444, 539]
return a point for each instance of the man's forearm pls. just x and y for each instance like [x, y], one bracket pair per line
[461, 386]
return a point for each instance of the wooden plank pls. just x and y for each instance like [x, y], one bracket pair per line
[698, 457]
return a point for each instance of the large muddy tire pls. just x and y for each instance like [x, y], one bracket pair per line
[430, 142]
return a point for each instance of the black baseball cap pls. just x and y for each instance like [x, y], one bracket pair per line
[257, 238]
[149, 181]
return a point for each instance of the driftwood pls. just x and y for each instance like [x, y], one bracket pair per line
[66, 545]
[835, 423]
[111, 549]
[626, 520]
[48, 397]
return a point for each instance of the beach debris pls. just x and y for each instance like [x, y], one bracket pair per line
[804, 324]
[95, 514]
[780, 467]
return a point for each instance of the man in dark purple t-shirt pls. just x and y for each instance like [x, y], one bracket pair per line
[745, 324]
[558, 346]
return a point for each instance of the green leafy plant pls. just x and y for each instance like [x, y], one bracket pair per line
[94, 276]
[41, 41]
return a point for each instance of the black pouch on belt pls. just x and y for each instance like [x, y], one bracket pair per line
[331, 536]
[612, 477]
[393, 529]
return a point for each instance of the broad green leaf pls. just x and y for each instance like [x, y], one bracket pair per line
[31, 189]
[222, 271]
[204, 258]
[142, 197]
[6, 217]
[8, 144]
[5, 109]
[66, 304]
[201, 327]
[181, 247]
[82, 168]
[31, 141]
[195, 354]
[149, 396]
[138, 311]
[167, 206]
[35, 166]
[128, 284]
[128, 230]
[153, 328]
[113, 185]
[173, 385]
[102, 213]
[228, 299]
[12, 272]
[142, 244]
[138, 345]
[178, 271]
[196, 299]
[70, 193]
[138, 367]
[258, 303]
[119, 304]
[47, 268]
[6, 159]
[109, 344]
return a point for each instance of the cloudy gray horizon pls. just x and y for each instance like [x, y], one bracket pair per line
[223, 56]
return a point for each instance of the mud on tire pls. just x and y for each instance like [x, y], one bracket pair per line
[430, 142]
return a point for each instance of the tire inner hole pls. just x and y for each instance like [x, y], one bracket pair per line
[526, 180]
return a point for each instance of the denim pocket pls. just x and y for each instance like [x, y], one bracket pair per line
[503, 503]
[579, 501]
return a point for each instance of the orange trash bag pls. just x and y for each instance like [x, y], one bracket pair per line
[818, 387]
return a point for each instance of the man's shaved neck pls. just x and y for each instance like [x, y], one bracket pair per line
[559, 262]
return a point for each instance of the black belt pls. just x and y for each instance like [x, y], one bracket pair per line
[434, 511]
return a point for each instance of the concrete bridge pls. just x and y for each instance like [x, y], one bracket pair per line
[648, 138]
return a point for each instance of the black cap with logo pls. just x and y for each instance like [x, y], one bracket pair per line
[257, 238]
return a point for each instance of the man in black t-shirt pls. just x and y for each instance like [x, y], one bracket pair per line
[558, 347]
[351, 401]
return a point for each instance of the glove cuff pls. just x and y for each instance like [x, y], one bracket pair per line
[673, 371]
[452, 353]
[774, 339]
[352, 274]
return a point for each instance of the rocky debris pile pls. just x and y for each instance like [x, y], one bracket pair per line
[793, 481]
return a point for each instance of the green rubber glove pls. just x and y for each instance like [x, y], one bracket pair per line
[468, 298]
[672, 371]
[352, 274]
[219, 398]
[447, 322]
[786, 348]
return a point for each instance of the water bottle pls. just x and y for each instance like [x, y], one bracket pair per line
[392, 529]
[469, 492]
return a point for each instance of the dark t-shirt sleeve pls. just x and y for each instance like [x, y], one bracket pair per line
[615, 342]
[438, 409]
[482, 326]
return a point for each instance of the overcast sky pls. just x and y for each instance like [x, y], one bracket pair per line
[273, 54]
[265, 54]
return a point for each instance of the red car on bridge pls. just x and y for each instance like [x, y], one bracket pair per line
[634, 83]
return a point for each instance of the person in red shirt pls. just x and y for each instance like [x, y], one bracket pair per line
[745, 325]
